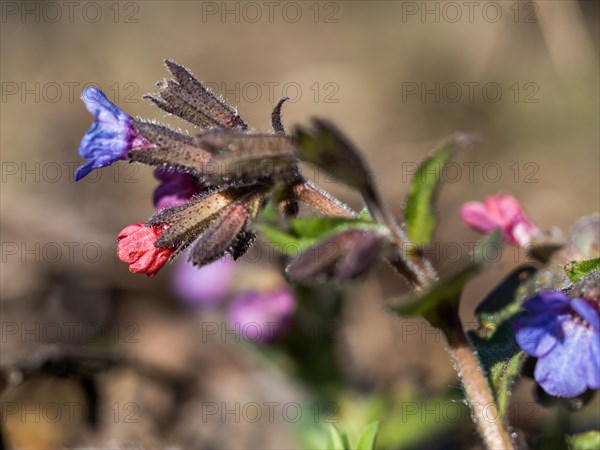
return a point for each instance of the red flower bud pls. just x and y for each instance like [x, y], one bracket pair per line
[136, 247]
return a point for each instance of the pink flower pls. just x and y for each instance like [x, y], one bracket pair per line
[136, 247]
[502, 212]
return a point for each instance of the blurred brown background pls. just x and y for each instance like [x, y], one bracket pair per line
[396, 76]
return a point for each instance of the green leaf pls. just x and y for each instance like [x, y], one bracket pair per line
[365, 215]
[337, 439]
[270, 213]
[502, 360]
[502, 303]
[420, 216]
[447, 293]
[576, 270]
[499, 354]
[319, 226]
[584, 441]
[366, 441]
[283, 240]
[407, 420]
[307, 231]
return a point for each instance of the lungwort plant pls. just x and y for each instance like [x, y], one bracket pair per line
[223, 184]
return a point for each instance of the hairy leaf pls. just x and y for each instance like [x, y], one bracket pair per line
[500, 304]
[307, 231]
[319, 226]
[588, 286]
[498, 352]
[576, 270]
[420, 216]
[283, 240]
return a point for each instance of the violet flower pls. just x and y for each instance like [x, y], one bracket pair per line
[262, 316]
[204, 286]
[564, 334]
[111, 136]
[176, 188]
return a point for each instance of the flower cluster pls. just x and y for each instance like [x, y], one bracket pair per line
[213, 182]
[561, 330]
[258, 312]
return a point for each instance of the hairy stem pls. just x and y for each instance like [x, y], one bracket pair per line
[419, 272]
[479, 395]
[414, 267]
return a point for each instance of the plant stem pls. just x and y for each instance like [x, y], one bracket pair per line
[481, 401]
[419, 272]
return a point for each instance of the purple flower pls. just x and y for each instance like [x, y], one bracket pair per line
[564, 334]
[175, 189]
[262, 316]
[204, 286]
[110, 137]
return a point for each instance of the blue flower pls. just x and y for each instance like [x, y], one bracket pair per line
[110, 137]
[564, 334]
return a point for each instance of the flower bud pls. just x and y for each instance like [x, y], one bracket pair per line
[136, 247]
